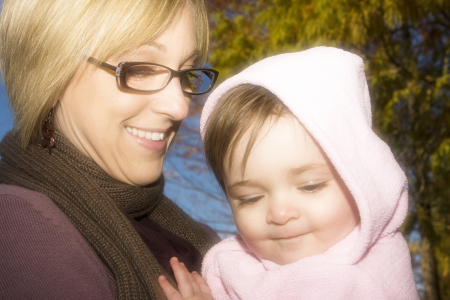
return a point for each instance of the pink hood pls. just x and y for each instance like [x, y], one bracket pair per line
[326, 89]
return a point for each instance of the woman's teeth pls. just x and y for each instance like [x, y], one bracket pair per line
[154, 136]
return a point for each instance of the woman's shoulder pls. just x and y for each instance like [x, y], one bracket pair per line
[43, 255]
[13, 190]
[23, 211]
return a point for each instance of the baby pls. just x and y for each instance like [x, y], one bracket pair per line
[316, 196]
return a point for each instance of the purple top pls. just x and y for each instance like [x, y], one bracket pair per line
[43, 256]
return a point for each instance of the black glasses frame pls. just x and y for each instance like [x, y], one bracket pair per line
[121, 72]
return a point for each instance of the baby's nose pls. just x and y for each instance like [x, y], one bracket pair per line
[281, 212]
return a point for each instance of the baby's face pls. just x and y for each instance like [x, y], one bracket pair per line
[289, 203]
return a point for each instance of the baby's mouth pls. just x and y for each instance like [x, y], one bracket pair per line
[154, 136]
[288, 237]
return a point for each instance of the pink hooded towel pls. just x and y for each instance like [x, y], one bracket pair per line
[326, 89]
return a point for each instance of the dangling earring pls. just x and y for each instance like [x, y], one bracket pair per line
[47, 132]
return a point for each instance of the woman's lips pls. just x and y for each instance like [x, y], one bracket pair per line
[152, 140]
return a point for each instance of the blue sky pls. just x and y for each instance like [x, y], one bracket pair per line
[5, 113]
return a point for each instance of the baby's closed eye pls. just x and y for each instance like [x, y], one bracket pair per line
[313, 186]
[249, 199]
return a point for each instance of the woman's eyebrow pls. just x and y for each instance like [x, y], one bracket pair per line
[161, 47]
[194, 54]
[158, 46]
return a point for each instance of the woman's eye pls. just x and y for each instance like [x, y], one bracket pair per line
[141, 72]
[313, 187]
[147, 71]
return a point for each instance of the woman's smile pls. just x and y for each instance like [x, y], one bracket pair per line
[154, 135]
[153, 140]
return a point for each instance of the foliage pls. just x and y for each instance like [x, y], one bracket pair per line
[406, 47]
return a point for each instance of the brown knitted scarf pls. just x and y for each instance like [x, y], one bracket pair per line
[93, 201]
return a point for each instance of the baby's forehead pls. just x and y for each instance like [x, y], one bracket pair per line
[284, 141]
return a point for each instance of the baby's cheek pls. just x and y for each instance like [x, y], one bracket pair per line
[251, 233]
[258, 246]
[248, 221]
[333, 230]
[248, 231]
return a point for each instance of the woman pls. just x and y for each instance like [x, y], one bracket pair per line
[82, 213]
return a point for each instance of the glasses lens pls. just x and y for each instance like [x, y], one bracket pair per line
[197, 81]
[147, 77]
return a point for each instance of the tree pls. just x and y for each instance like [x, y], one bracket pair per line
[406, 47]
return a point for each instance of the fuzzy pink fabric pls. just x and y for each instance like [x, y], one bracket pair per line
[326, 89]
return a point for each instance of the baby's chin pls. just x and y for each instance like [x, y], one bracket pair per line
[289, 257]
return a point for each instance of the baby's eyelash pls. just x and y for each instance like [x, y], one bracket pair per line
[313, 187]
[249, 200]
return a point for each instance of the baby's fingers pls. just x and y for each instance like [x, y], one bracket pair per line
[170, 292]
[201, 283]
[184, 279]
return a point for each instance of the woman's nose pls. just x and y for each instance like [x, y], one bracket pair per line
[282, 212]
[172, 102]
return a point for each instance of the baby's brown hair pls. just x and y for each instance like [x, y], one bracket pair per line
[244, 108]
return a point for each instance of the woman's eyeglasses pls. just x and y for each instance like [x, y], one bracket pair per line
[148, 77]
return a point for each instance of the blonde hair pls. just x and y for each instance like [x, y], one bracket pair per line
[243, 109]
[43, 43]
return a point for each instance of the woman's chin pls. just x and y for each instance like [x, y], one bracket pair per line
[144, 180]
[144, 175]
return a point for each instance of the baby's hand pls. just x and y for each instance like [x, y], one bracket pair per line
[191, 286]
